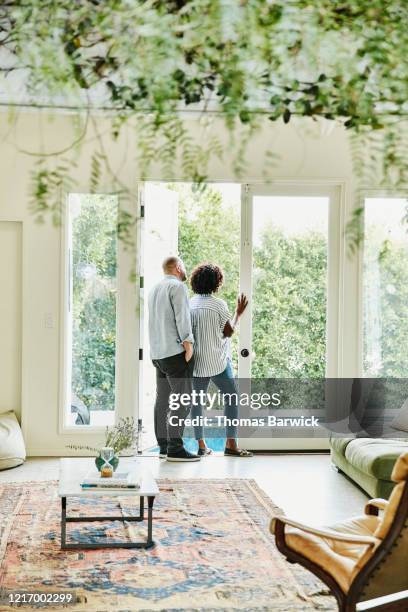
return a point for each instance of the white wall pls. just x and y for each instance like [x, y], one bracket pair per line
[41, 272]
[10, 315]
[304, 155]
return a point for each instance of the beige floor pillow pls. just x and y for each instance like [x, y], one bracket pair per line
[12, 448]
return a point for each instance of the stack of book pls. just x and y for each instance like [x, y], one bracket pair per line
[119, 480]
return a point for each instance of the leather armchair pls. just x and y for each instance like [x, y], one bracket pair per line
[363, 559]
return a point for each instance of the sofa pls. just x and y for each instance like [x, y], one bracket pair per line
[368, 461]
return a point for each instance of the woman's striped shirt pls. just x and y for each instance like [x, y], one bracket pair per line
[209, 315]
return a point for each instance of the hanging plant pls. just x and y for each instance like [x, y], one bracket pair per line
[241, 61]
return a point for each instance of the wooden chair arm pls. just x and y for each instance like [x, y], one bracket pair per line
[324, 533]
[374, 505]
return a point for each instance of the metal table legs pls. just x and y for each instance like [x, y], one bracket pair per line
[88, 519]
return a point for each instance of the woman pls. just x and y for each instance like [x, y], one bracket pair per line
[212, 327]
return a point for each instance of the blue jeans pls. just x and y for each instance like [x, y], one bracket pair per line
[226, 384]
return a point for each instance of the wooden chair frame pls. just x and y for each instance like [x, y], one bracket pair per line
[348, 602]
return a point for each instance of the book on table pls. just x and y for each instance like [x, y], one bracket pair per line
[119, 480]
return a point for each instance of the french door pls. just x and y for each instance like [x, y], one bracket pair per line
[278, 244]
[289, 269]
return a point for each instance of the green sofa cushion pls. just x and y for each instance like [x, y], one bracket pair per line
[373, 486]
[374, 456]
[340, 444]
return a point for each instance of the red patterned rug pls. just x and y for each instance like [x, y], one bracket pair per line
[213, 552]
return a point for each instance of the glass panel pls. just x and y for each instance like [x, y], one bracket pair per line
[160, 241]
[93, 220]
[385, 288]
[289, 301]
[200, 224]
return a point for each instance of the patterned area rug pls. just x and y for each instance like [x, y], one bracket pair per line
[213, 552]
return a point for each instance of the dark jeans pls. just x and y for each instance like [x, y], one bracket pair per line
[173, 375]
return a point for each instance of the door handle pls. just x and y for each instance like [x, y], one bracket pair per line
[244, 352]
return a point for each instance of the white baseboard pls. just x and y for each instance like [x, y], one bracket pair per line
[63, 451]
[55, 452]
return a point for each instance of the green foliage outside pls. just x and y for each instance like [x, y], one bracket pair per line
[385, 308]
[94, 301]
[289, 292]
[210, 231]
[289, 289]
[289, 310]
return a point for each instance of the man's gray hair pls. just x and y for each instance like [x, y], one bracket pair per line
[170, 263]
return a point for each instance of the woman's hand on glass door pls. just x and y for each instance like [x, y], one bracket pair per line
[242, 303]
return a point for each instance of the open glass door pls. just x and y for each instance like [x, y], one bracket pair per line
[289, 270]
[160, 239]
[199, 223]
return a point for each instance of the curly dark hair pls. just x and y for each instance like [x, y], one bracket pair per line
[206, 278]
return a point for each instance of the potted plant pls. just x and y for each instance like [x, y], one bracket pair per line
[120, 437]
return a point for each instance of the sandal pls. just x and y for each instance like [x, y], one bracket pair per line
[202, 452]
[240, 452]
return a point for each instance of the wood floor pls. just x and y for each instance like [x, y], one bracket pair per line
[306, 487]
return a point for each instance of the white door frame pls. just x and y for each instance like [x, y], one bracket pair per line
[245, 282]
[334, 191]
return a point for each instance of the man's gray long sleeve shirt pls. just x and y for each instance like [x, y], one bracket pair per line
[169, 318]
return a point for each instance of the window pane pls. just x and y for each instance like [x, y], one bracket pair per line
[290, 241]
[385, 288]
[93, 308]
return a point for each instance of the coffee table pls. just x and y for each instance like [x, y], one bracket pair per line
[72, 472]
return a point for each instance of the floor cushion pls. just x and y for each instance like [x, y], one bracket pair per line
[12, 448]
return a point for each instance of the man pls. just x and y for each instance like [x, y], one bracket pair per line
[171, 348]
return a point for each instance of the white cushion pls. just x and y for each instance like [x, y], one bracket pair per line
[401, 420]
[12, 448]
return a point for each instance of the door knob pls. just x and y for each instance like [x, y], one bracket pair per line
[244, 352]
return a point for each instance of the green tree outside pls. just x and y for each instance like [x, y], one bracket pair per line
[289, 305]
[94, 244]
[289, 297]
[290, 280]
[209, 230]
[386, 291]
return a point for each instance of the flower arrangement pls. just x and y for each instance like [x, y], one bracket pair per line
[120, 437]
